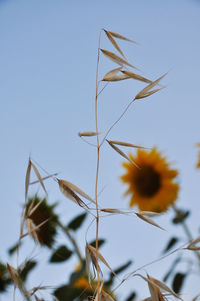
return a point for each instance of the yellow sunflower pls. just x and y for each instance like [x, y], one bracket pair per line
[152, 185]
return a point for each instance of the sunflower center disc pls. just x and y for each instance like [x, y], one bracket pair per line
[147, 181]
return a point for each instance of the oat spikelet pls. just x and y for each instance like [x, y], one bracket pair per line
[114, 43]
[136, 76]
[88, 134]
[70, 194]
[79, 191]
[148, 220]
[146, 91]
[27, 179]
[127, 144]
[93, 252]
[154, 290]
[39, 177]
[111, 210]
[119, 36]
[13, 274]
[164, 287]
[193, 245]
[32, 228]
[121, 153]
[116, 59]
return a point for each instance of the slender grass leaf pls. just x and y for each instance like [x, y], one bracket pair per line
[170, 244]
[61, 254]
[76, 223]
[178, 282]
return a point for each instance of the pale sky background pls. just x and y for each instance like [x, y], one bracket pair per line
[48, 52]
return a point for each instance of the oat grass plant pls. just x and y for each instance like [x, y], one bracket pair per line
[152, 186]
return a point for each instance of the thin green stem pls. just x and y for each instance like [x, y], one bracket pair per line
[73, 241]
[187, 232]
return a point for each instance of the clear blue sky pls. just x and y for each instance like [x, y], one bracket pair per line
[47, 85]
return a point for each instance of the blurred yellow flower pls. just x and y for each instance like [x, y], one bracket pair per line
[198, 163]
[83, 283]
[152, 185]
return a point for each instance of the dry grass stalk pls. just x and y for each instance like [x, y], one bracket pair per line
[32, 228]
[44, 178]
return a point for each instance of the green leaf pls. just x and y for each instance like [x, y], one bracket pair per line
[181, 215]
[131, 297]
[121, 268]
[178, 282]
[5, 279]
[61, 254]
[77, 222]
[13, 249]
[70, 293]
[100, 242]
[170, 244]
[26, 270]
[172, 268]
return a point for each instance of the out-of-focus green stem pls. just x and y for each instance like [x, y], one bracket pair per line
[187, 232]
[73, 241]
